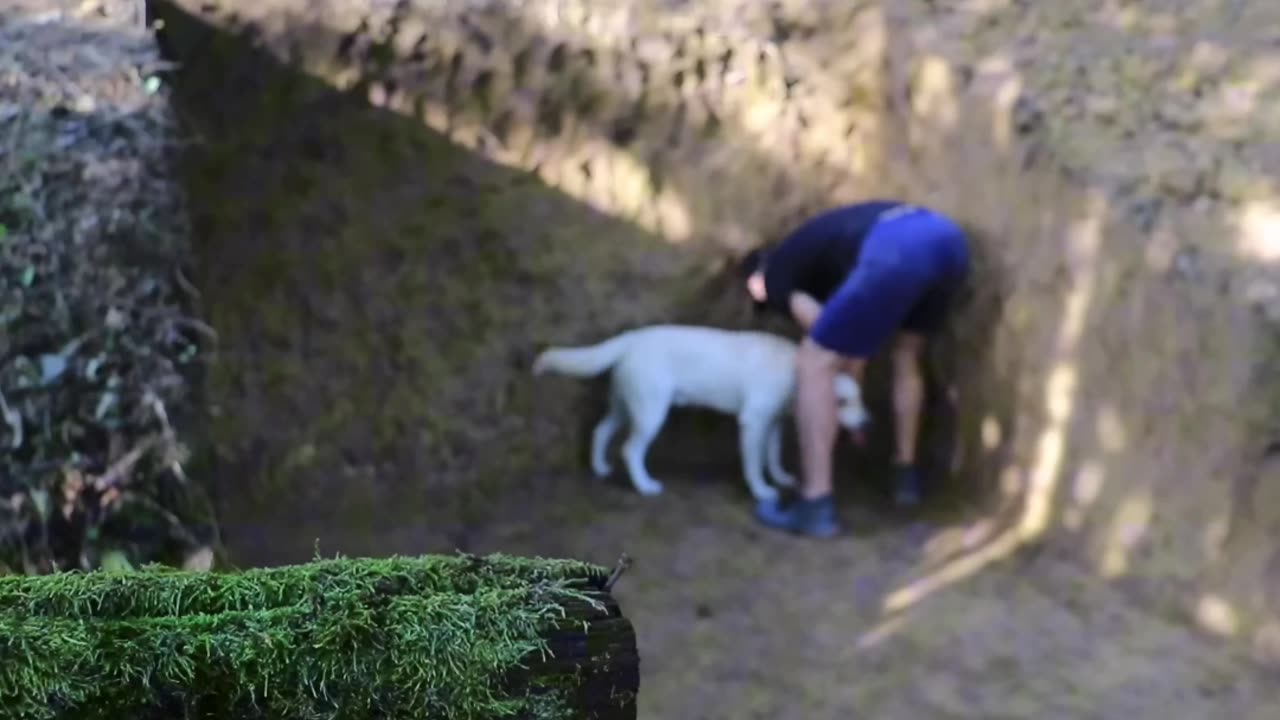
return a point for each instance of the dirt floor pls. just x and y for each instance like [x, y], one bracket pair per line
[736, 623]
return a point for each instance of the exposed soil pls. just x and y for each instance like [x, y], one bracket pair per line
[379, 294]
[734, 622]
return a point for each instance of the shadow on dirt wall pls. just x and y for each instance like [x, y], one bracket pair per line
[380, 291]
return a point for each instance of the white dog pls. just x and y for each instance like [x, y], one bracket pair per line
[750, 375]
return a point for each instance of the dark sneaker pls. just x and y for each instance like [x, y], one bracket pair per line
[906, 486]
[812, 518]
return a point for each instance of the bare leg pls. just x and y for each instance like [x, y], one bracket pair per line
[908, 395]
[816, 416]
[908, 402]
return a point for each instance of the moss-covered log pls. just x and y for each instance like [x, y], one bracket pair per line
[430, 637]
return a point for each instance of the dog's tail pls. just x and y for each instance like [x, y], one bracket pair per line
[582, 362]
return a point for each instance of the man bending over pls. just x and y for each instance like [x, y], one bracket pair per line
[857, 278]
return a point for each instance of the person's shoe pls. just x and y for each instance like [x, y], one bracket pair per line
[906, 486]
[812, 518]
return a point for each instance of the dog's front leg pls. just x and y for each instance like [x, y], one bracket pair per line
[752, 436]
[774, 458]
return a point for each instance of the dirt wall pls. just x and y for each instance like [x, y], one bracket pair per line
[1111, 388]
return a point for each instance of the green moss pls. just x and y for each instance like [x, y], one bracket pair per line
[425, 637]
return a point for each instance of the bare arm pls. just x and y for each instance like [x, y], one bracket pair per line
[805, 309]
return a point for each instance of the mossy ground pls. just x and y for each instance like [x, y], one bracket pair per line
[433, 636]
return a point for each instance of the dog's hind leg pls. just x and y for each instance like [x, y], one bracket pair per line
[774, 458]
[603, 433]
[648, 411]
[752, 438]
